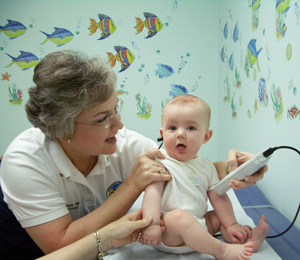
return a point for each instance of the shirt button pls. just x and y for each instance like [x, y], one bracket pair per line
[61, 174]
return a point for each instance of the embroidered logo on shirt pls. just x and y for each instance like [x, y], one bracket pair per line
[111, 189]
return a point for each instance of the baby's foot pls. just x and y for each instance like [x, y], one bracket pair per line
[259, 233]
[236, 251]
[151, 235]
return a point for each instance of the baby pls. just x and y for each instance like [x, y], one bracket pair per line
[182, 202]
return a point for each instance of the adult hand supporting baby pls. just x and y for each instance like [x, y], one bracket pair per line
[146, 170]
[235, 159]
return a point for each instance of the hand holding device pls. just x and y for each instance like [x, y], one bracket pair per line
[248, 168]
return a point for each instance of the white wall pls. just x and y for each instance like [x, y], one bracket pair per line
[194, 27]
[188, 40]
[262, 130]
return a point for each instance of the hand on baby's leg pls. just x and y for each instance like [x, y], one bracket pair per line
[238, 234]
[151, 235]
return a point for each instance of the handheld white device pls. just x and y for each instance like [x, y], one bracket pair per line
[246, 169]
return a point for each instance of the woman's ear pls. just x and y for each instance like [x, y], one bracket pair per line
[65, 139]
[208, 135]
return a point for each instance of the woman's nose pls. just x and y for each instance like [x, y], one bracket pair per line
[116, 122]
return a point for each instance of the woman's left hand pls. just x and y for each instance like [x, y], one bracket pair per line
[146, 170]
[235, 159]
[125, 230]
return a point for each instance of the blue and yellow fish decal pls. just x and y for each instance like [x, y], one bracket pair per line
[152, 22]
[13, 29]
[25, 60]
[60, 36]
[106, 25]
[253, 53]
[255, 4]
[282, 6]
[124, 56]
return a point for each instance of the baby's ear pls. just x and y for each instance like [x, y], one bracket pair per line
[208, 135]
[161, 132]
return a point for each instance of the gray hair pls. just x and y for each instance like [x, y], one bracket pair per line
[66, 82]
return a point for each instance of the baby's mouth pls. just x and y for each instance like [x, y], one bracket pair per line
[181, 148]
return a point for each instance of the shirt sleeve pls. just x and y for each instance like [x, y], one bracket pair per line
[29, 190]
[135, 143]
[214, 177]
[130, 145]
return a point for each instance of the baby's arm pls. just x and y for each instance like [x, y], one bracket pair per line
[151, 206]
[224, 210]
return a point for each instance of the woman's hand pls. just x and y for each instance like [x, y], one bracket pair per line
[235, 159]
[119, 233]
[125, 230]
[146, 170]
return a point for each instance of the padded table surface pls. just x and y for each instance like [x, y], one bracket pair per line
[256, 204]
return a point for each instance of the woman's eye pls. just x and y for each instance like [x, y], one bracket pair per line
[102, 119]
[116, 108]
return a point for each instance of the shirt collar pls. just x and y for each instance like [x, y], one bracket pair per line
[66, 168]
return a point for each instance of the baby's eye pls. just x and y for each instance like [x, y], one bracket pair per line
[172, 128]
[191, 128]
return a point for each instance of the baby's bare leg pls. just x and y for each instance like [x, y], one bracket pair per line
[183, 228]
[212, 222]
[259, 233]
[213, 225]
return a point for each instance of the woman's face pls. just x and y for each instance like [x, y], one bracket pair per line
[90, 138]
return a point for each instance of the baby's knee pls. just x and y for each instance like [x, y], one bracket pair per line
[178, 217]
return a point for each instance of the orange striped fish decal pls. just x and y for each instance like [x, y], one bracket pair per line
[106, 25]
[152, 22]
[124, 56]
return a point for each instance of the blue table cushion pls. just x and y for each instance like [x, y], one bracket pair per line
[256, 204]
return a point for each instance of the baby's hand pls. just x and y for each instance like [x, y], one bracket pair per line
[151, 235]
[238, 233]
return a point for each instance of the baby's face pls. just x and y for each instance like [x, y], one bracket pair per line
[184, 130]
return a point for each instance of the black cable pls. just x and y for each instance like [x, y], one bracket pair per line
[288, 227]
[160, 139]
[267, 153]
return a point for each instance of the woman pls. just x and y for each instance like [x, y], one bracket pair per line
[78, 169]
